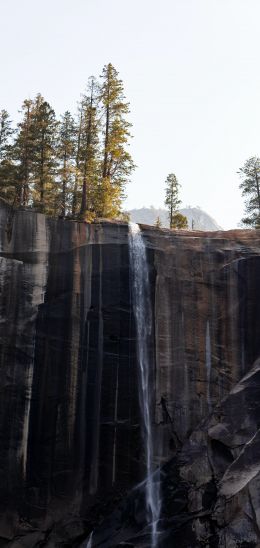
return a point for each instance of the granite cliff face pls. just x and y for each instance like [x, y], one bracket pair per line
[71, 451]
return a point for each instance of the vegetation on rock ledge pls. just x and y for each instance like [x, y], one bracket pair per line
[69, 167]
[250, 186]
[172, 202]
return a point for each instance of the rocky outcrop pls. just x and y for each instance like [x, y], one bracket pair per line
[71, 448]
[219, 466]
[211, 489]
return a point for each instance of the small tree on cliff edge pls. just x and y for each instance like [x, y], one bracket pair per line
[172, 202]
[158, 223]
[250, 185]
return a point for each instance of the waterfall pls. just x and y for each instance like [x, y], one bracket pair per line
[143, 318]
[89, 543]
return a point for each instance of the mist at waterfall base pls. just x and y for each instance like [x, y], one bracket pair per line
[143, 318]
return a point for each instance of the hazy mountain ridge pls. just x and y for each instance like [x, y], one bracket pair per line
[196, 216]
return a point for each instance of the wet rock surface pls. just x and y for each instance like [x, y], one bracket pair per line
[210, 489]
[71, 451]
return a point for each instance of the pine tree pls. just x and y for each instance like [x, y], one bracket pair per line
[8, 177]
[88, 163]
[250, 185]
[172, 202]
[7, 167]
[158, 222]
[117, 163]
[60, 169]
[44, 131]
[66, 150]
[179, 221]
[6, 132]
[75, 208]
[22, 154]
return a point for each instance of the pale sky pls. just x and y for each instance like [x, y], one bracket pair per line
[191, 74]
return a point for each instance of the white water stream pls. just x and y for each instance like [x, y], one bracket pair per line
[143, 318]
[89, 543]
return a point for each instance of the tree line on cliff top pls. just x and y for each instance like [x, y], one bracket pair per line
[69, 167]
[79, 167]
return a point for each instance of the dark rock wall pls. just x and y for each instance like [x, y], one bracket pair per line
[70, 425]
[207, 322]
[69, 406]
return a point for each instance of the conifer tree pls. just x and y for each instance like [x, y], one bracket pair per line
[117, 163]
[8, 177]
[63, 168]
[75, 194]
[7, 167]
[6, 132]
[44, 131]
[22, 154]
[250, 185]
[172, 202]
[88, 163]
[66, 150]
[179, 221]
[158, 222]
